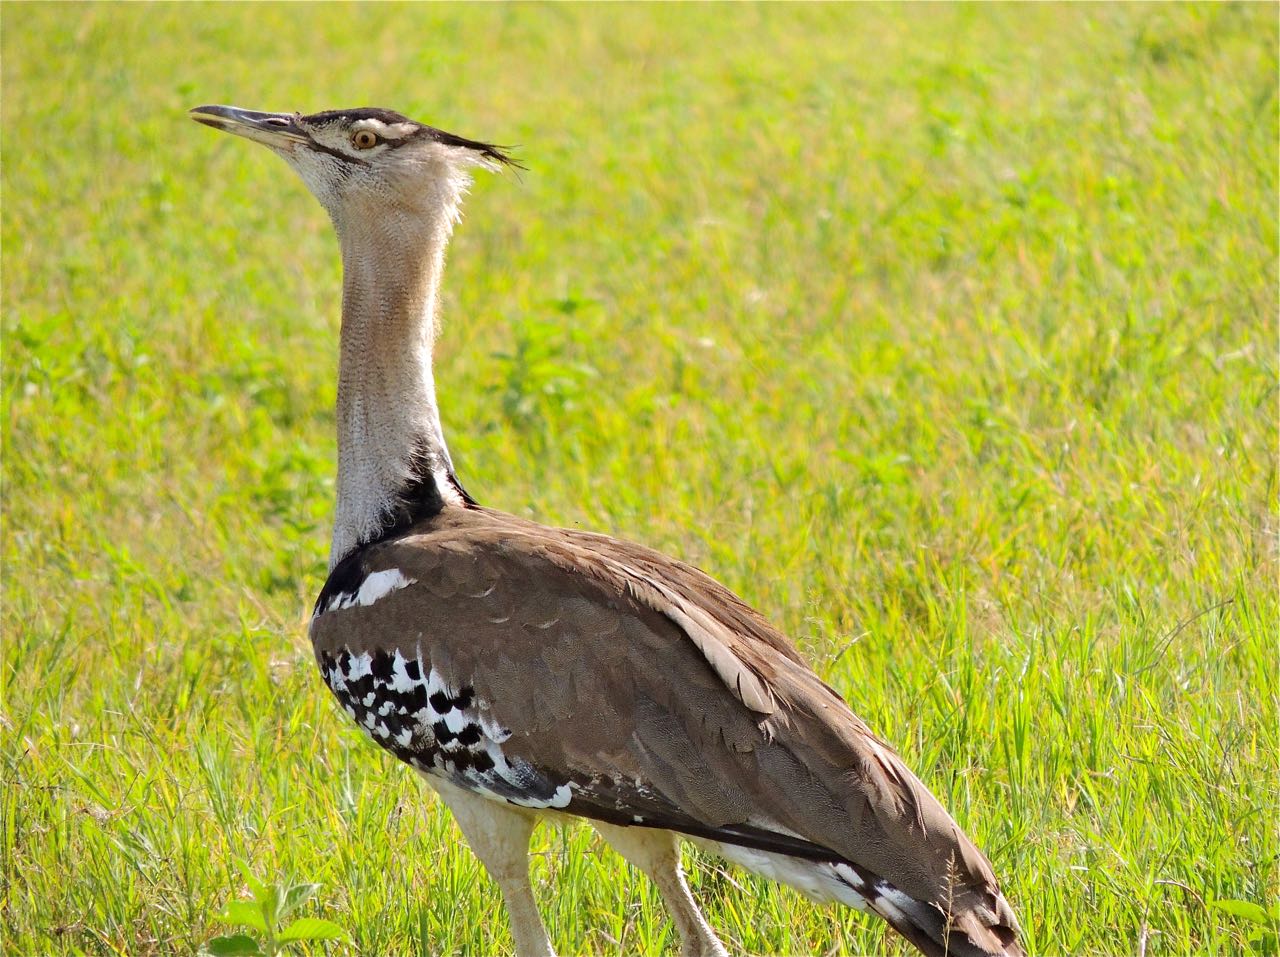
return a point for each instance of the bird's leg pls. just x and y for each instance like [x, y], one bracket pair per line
[657, 854]
[499, 837]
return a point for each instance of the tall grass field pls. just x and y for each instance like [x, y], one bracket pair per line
[944, 335]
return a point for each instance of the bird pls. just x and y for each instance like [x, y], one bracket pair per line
[533, 673]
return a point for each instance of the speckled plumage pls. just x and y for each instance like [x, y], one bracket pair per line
[438, 728]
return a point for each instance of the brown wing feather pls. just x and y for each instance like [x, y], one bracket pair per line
[581, 645]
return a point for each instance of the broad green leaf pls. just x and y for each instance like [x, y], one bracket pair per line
[236, 945]
[248, 913]
[269, 901]
[311, 928]
[1245, 910]
[296, 896]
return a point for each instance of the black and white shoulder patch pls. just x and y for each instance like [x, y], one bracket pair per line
[406, 706]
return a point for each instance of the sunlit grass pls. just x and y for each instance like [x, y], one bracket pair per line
[945, 335]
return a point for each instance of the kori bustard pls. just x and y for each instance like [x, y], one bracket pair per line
[528, 671]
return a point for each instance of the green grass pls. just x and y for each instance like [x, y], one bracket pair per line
[944, 335]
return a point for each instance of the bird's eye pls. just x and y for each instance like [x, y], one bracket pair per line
[364, 139]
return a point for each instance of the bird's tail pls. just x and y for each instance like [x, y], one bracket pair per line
[968, 923]
[949, 928]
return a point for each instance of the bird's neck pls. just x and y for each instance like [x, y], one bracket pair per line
[393, 465]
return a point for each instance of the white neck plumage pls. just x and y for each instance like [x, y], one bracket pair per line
[392, 458]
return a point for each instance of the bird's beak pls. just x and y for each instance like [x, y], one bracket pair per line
[277, 130]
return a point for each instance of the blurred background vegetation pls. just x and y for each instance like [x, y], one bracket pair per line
[945, 335]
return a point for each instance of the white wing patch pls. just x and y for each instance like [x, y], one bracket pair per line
[376, 586]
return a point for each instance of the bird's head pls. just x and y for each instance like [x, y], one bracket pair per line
[365, 162]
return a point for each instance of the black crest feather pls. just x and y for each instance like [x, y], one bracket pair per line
[490, 151]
